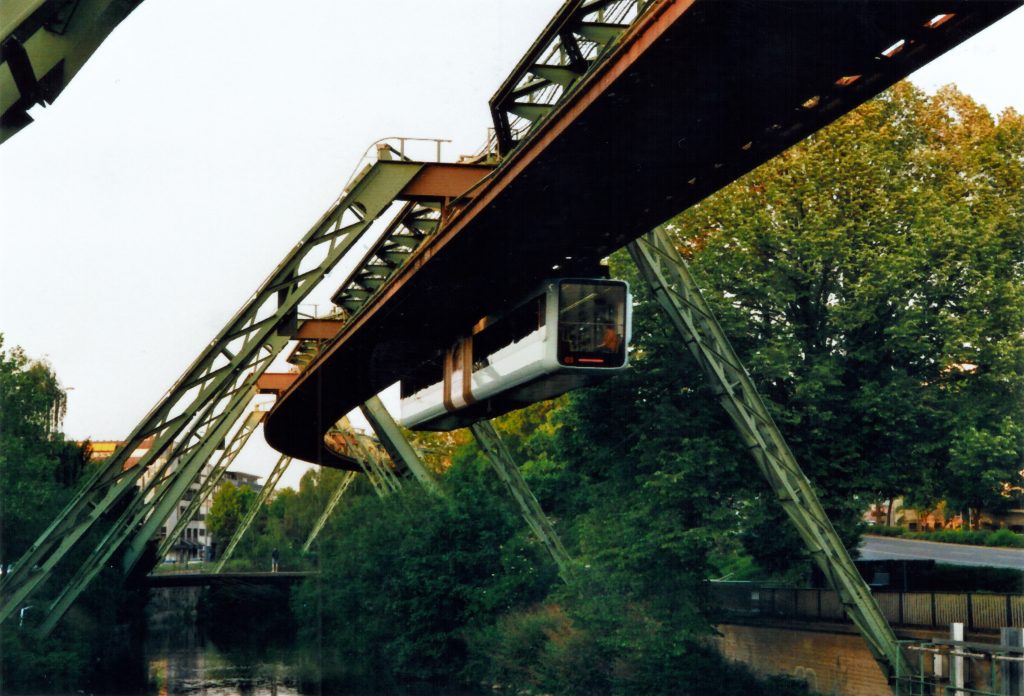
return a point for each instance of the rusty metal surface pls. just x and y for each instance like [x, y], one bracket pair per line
[275, 382]
[318, 329]
[442, 181]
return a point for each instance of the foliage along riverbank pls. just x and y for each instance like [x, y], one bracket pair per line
[871, 278]
[98, 645]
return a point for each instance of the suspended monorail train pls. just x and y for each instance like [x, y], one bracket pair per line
[569, 333]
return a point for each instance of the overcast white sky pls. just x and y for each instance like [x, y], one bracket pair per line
[204, 138]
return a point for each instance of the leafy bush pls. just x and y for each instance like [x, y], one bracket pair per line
[1001, 537]
[1004, 537]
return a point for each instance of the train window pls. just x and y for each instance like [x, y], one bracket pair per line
[514, 326]
[591, 323]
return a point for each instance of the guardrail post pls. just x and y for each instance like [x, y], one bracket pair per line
[956, 660]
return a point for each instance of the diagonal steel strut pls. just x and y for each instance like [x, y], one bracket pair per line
[504, 465]
[394, 442]
[332, 503]
[250, 340]
[208, 486]
[250, 515]
[673, 286]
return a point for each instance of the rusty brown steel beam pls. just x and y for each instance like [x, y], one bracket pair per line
[443, 181]
[275, 382]
[319, 329]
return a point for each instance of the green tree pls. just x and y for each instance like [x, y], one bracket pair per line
[871, 278]
[39, 469]
[37, 465]
[230, 503]
[401, 578]
[979, 462]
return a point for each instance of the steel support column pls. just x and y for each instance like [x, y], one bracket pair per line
[669, 277]
[209, 484]
[249, 341]
[150, 507]
[503, 464]
[250, 515]
[394, 442]
[336, 497]
[380, 476]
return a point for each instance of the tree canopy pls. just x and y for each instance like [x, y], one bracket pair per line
[873, 279]
[37, 465]
[39, 469]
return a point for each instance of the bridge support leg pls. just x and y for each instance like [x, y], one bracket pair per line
[378, 473]
[207, 487]
[250, 515]
[148, 508]
[395, 443]
[243, 349]
[336, 497]
[503, 464]
[669, 278]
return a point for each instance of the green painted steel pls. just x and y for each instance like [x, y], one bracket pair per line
[503, 464]
[394, 442]
[669, 278]
[249, 342]
[380, 475]
[45, 44]
[208, 486]
[336, 497]
[361, 448]
[574, 41]
[407, 232]
[150, 507]
[250, 515]
[187, 471]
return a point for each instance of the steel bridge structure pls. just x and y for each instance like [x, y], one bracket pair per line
[620, 115]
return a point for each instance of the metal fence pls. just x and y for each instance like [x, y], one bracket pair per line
[978, 611]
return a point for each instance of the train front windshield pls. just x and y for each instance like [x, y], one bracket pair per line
[592, 323]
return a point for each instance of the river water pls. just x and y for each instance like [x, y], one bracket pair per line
[204, 670]
[221, 646]
[239, 641]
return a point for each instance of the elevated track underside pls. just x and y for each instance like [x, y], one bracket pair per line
[695, 94]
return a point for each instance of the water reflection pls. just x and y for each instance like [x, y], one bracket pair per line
[205, 671]
[235, 642]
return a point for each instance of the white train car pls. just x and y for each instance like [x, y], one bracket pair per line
[570, 333]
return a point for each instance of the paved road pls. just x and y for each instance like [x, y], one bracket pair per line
[875, 548]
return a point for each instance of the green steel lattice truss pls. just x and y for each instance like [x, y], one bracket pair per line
[250, 515]
[505, 467]
[332, 503]
[199, 410]
[667, 274]
[209, 483]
